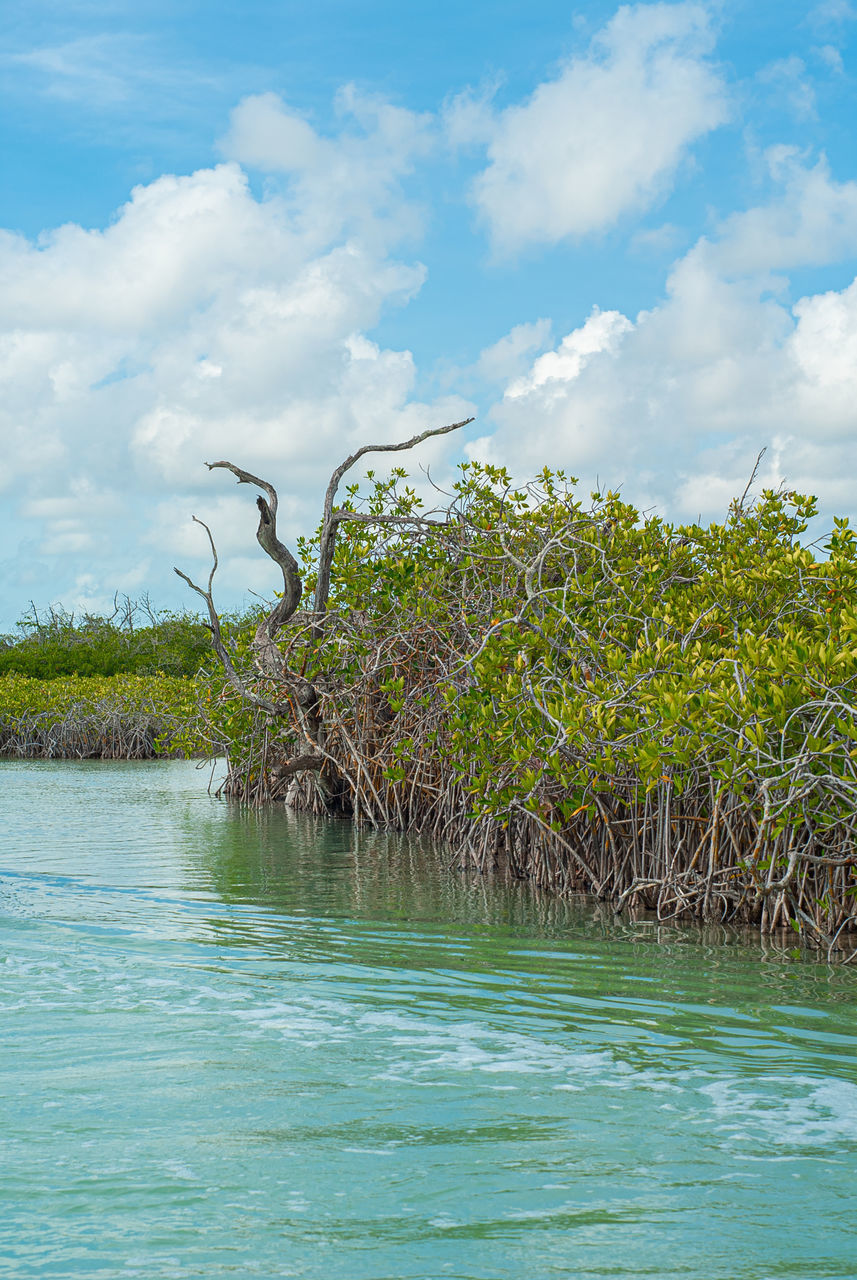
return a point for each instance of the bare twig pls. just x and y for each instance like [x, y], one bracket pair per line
[217, 635]
[329, 525]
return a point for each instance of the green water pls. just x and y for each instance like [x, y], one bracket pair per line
[242, 1044]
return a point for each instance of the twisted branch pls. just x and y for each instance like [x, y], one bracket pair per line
[268, 657]
[330, 519]
[217, 635]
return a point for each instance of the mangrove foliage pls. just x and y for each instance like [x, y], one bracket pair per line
[126, 685]
[601, 701]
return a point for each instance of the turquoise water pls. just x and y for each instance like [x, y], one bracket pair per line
[251, 1044]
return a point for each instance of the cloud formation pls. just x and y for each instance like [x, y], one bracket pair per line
[351, 182]
[604, 138]
[674, 405]
[234, 311]
[202, 323]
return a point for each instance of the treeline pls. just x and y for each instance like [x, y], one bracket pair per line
[130, 684]
[134, 639]
[119, 717]
[659, 715]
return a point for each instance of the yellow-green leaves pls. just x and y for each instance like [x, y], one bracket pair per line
[113, 715]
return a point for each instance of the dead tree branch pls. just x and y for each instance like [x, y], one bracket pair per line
[752, 480]
[302, 696]
[268, 657]
[217, 635]
[330, 524]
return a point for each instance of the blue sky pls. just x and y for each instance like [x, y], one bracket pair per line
[623, 237]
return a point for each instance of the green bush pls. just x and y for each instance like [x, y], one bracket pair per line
[59, 644]
[605, 700]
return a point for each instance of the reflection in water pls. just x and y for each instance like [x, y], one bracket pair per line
[253, 1043]
[294, 865]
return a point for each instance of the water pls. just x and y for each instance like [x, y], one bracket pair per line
[250, 1044]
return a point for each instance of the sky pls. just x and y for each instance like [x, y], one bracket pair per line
[622, 238]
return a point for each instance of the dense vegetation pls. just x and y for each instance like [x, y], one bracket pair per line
[122, 686]
[57, 643]
[659, 715]
[127, 717]
[655, 714]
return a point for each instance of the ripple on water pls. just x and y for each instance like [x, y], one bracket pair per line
[250, 1044]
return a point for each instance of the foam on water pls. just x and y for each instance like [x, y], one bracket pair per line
[246, 1044]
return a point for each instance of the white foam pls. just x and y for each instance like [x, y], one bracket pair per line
[798, 1111]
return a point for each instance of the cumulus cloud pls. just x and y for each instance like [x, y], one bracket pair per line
[601, 332]
[348, 182]
[812, 223]
[513, 352]
[674, 405]
[605, 137]
[202, 322]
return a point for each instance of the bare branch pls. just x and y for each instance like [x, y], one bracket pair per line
[246, 477]
[268, 656]
[753, 475]
[299, 764]
[217, 635]
[329, 525]
[214, 560]
[409, 522]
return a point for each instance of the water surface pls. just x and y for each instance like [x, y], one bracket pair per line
[241, 1043]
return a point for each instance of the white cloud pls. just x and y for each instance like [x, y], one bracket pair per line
[823, 349]
[814, 222]
[674, 405]
[605, 137]
[174, 248]
[831, 57]
[264, 133]
[115, 85]
[832, 13]
[202, 323]
[68, 519]
[103, 68]
[351, 182]
[601, 333]
[509, 357]
[657, 241]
